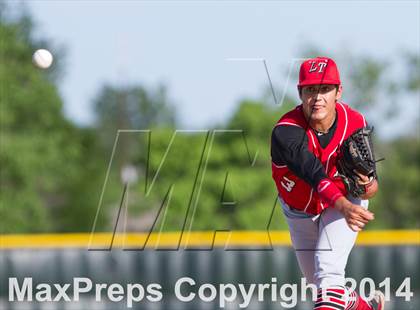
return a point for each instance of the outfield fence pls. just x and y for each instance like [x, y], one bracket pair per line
[247, 258]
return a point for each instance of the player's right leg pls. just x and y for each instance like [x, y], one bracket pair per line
[330, 266]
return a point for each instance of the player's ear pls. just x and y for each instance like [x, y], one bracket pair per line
[300, 92]
[339, 92]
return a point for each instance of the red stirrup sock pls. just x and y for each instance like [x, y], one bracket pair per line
[352, 300]
[355, 302]
[331, 298]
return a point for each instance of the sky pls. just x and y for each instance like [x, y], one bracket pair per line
[209, 53]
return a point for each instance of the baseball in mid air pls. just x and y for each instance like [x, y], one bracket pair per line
[42, 58]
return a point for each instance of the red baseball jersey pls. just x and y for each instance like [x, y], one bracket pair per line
[296, 192]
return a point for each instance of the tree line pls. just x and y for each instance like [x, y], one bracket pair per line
[54, 174]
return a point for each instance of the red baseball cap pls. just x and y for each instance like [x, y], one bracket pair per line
[319, 70]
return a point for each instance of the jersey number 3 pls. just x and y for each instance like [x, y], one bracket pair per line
[287, 184]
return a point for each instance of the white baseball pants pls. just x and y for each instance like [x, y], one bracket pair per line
[322, 244]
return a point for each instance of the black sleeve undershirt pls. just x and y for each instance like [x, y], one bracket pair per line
[289, 146]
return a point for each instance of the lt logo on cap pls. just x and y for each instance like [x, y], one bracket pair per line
[314, 66]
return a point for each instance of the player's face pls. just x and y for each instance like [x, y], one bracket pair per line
[319, 101]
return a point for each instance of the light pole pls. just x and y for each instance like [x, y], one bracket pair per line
[129, 175]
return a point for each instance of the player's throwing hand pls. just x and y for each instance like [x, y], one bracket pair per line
[356, 216]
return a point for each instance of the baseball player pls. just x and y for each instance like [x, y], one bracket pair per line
[324, 208]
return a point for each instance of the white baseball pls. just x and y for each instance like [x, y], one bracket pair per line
[42, 58]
